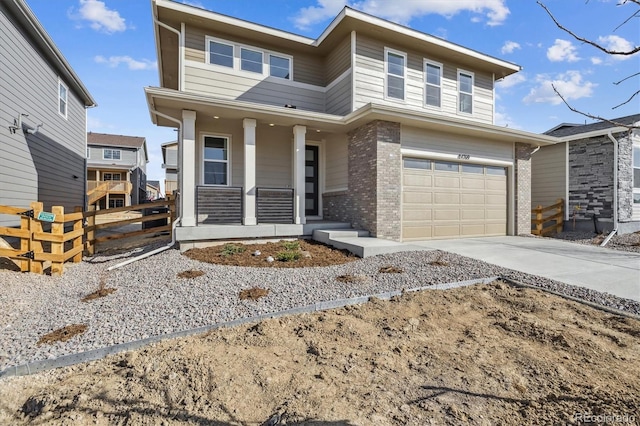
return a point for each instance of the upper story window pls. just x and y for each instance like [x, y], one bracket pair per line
[433, 84]
[396, 68]
[221, 54]
[111, 176]
[636, 174]
[465, 92]
[280, 66]
[250, 60]
[110, 154]
[216, 160]
[63, 94]
[247, 58]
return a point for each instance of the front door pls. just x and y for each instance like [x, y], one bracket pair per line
[311, 180]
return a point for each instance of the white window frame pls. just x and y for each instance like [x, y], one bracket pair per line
[237, 58]
[111, 177]
[634, 190]
[113, 151]
[251, 49]
[64, 114]
[203, 160]
[460, 92]
[388, 51]
[208, 52]
[426, 83]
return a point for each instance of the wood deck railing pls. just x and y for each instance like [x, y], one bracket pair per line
[42, 239]
[539, 219]
[99, 189]
[170, 186]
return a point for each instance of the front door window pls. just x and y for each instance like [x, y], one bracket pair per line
[311, 181]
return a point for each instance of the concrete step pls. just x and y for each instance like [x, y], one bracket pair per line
[325, 236]
[370, 246]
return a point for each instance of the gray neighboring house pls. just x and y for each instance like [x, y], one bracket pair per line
[170, 166]
[42, 115]
[585, 169]
[116, 170]
[371, 125]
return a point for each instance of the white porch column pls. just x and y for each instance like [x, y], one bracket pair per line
[299, 133]
[188, 169]
[249, 125]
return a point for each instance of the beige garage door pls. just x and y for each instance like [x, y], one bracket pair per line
[443, 199]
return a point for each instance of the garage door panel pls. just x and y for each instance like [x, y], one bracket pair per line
[450, 204]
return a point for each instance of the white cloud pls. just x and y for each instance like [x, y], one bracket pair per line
[562, 50]
[495, 12]
[511, 81]
[616, 44]
[504, 119]
[595, 60]
[100, 17]
[134, 65]
[510, 47]
[570, 84]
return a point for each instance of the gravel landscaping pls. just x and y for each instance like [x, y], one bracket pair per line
[625, 242]
[150, 299]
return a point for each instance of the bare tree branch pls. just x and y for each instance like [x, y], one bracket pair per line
[633, 15]
[595, 117]
[627, 101]
[587, 41]
[626, 78]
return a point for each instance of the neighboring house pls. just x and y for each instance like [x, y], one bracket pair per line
[42, 117]
[116, 170]
[153, 190]
[586, 170]
[372, 124]
[170, 166]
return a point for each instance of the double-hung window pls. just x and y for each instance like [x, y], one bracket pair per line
[63, 95]
[111, 154]
[280, 66]
[216, 160]
[396, 68]
[465, 92]
[250, 60]
[221, 53]
[433, 84]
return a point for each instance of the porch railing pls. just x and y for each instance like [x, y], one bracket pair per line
[219, 205]
[274, 205]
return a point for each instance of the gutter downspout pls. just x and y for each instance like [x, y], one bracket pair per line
[535, 150]
[615, 189]
[179, 34]
[173, 225]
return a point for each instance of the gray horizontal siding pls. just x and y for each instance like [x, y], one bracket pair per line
[127, 157]
[232, 86]
[370, 82]
[338, 97]
[338, 60]
[548, 175]
[172, 157]
[37, 167]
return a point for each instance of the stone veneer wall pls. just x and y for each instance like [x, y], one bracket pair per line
[591, 178]
[373, 199]
[625, 177]
[522, 205]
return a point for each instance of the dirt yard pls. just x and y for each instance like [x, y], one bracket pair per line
[488, 354]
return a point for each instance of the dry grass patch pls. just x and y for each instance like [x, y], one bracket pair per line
[62, 334]
[439, 261]
[351, 279]
[102, 290]
[389, 269]
[254, 293]
[191, 273]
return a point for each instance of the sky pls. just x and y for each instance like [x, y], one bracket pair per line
[111, 46]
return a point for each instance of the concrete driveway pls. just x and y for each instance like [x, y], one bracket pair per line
[611, 271]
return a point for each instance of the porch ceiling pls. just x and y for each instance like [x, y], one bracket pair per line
[171, 102]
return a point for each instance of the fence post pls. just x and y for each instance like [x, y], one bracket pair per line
[57, 247]
[539, 222]
[91, 222]
[77, 242]
[560, 215]
[36, 245]
[25, 243]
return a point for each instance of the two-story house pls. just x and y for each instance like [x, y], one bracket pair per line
[374, 124]
[42, 117]
[170, 166]
[116, 170]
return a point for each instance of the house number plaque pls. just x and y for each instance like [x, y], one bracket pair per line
[464, 156]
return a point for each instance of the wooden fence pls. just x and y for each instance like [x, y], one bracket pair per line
[56, 246]
[539, 219]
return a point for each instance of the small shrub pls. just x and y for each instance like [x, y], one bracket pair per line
[288, 256]
[291, 245]
[231, 249]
